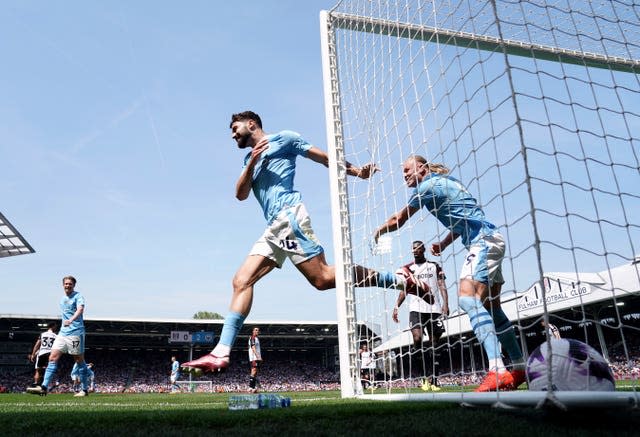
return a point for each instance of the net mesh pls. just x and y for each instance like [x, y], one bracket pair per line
[535, 107]
[195, 386]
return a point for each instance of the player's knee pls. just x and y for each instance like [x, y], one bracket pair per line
[240, 283]
[323, 281]
[322, 284]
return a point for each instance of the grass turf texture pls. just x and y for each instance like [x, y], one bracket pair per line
[323, 413]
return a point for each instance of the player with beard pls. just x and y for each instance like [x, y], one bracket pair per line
[268, 170]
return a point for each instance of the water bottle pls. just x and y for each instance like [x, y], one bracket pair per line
[285, 401]
[243, 402]
[272, 400]
[261, 401]
[268, 400]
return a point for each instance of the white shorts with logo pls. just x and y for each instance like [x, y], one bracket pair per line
[71, 344]
[289, 236]
[484, 260]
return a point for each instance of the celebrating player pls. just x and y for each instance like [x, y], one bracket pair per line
[425, 314]
[269, 170]
[481, 276]
[70, 340]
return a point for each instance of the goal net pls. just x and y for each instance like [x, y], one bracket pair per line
[535, 107]
[195, 386]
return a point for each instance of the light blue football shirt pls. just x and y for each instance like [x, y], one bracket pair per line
[274, 173]
[450, 202]
[69, 305]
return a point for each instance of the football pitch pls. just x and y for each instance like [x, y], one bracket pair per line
[311, 413]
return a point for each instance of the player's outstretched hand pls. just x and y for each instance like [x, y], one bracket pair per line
[367, 170]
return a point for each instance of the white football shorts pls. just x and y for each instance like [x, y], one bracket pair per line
[484, 260]
[72, 344]
[289, 236]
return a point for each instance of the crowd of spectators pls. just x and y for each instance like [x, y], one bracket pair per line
[622, 368]
[625, 370]
[118, 373]
[149, 373]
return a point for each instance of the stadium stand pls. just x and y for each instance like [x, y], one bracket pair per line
[134, 356]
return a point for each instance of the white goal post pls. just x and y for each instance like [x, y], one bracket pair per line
[535, 107]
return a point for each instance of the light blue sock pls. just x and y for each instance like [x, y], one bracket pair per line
[82, 372]
[507, 335]
[48, 373]
[482, 325]
[232, 324]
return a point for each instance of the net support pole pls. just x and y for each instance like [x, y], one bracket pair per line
[339, 213]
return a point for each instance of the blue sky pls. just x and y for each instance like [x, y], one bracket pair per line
[117, 161]
[118, 165]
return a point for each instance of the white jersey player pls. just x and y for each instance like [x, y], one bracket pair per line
[255, 359]
[367, 366]
[426, 312]
[41, 351]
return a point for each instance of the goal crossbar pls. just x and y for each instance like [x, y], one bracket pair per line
[482, 42]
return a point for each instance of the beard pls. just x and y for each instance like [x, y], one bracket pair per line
[243, 141]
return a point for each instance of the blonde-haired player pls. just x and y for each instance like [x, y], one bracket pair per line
[480, 283]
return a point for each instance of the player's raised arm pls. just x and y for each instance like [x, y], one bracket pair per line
[438, 247]
[395, 222]
[320, 156]
[243, 186]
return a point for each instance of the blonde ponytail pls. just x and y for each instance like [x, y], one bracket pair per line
[438, 168]
[433, 167]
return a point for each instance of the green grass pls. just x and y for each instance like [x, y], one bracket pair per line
[317, 413]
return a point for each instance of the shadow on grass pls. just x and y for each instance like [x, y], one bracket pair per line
[329, 418]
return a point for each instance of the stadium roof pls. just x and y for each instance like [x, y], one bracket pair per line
[11, 242]
[189, 321]
[105, 332]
